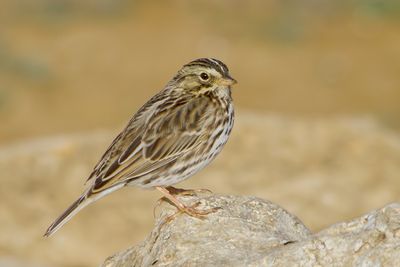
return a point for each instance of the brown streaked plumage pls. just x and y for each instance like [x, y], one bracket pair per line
[175, 134]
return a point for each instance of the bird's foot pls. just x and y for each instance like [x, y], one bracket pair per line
[170, 196]
[191, 211]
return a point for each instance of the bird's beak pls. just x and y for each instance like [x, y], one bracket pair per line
[227, 81]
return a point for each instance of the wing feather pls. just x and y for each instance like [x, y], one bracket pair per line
[146, 146]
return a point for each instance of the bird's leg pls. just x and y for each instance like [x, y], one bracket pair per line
[191, 211]
[179, 192]
[186, 192]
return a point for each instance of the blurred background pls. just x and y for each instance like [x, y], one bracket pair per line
[318, 111]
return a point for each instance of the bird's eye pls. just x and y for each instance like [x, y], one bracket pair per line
[204, 76]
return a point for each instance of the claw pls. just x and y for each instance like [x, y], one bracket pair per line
[191, 211]
[169, 195]
[158, 203]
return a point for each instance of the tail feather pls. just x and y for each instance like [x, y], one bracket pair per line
[79, 204]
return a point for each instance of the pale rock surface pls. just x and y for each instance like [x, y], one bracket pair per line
[249, 231]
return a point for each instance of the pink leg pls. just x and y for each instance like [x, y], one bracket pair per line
[191, 211]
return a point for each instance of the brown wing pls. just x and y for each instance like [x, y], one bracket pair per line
[129, 138]
[151, 141]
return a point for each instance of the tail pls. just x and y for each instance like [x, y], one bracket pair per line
[86, 198]
[79, 204]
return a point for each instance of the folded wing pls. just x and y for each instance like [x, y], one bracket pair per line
[149, 144]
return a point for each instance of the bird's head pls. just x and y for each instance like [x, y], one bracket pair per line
[202, 75]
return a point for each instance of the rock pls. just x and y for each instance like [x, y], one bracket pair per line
[370, 240]
[243, 230]
[249, 231]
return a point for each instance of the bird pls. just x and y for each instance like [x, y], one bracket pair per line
[178, 132]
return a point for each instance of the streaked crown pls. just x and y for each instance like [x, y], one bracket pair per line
[210, 63]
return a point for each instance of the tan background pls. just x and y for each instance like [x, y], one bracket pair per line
[79, 69]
